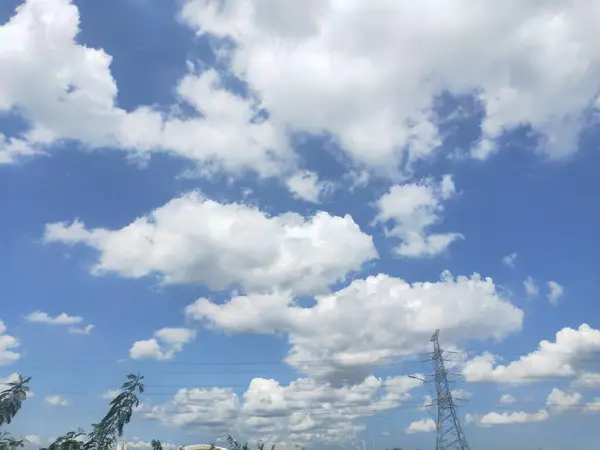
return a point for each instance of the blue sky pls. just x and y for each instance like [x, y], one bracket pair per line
[257, 208]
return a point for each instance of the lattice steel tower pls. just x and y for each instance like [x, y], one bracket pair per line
[449, 432]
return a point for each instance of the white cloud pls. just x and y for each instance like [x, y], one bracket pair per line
[555, 292]
[494, 418]
[531, 287]
[560, 401]
[587, 380]
[461, 394]
[333, 67]
[165, 344]
[61, 319]
[33, 440]
[138, 444]
[392, 318]
[307, 186]
[305, 410]
[81, 330]
[76, 99]
[8, 344]
[110, 394]
[561, 358]
[509, 260]
[9, 379]
[507, 398]
[195, 240]
[421, 426]
[55, 400]
[413, 209]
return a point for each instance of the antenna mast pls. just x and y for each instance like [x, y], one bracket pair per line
[449, 432]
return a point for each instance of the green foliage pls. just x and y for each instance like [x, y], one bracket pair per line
[12, 398]
[7, 442]
[156, 445]
[104, 434]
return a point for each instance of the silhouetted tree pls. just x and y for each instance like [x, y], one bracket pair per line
[156, 445]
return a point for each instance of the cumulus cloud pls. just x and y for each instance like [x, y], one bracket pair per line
[421, 426]
[61, 319]
[507, 418]
[509, 260]
[305, 410]
[560, 401]
[164, 345]
[192, 239]
[555, 292]
[8, 344]
[327, 66]
[347, 333]
[76, 99]
[307, 186]
[413, 208]
[531, 287]
[55, 400]
[562, 358]
[507, 398]
[587, 380]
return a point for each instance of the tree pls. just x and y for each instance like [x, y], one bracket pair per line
[12, 398]
[104, 434]
[7, 442]
[156, 445]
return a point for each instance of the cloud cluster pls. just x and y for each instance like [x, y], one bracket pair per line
[302, 411]
[352, 69]
[62, 319]
[349, 332]
[565, 357]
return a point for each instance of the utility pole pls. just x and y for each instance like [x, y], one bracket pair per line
[449, 432]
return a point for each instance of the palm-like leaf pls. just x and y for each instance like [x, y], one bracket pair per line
[156, 445]
[12, 398]
[104, 434]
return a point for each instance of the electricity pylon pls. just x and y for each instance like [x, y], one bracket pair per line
[449, 432]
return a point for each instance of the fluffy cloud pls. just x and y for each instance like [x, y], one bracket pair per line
[307, 186]
[348, 332]
[560, 401]
[61, 319]
[494, 418]
[413, 208]
[110, 394]
[55, 400]
[137, 444]
[509, 260]
[507, 398]
[8, 344]
[531, 287]
[164, 345]
[76, 99]
[192, 239]
[555, 292]
[302, 411]
[331, 66]
[562, 358]
[421, 426]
